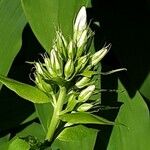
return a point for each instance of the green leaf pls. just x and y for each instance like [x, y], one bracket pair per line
[135, 115]
[25, 91]
[18, 144]
[4, 142]
[44, 113]
[45, 16]
[12, 22]
[34, 129]
[76, 137]
[84, 118]
[88, 73]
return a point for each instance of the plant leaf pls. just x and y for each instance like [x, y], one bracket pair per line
[17, 144]
[33, 129]
[12, 22]
[84, 118]
[135, 115]
[44, 113]
[25, 91]
[76, 137]
[4, 142]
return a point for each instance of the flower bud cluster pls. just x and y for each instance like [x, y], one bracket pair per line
[66, 62]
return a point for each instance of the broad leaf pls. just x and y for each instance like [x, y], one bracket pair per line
[17, 144]
[12, 22]
[4, 142]
[76, 137]
[45, 16]
[44, 112]
[25, 91]
[35, 130]
[135, 115]
[84, 118]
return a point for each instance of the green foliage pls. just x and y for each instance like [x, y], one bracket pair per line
[77, 137]
[84, 118]
[135, 115]
[19, 143]
[12, 22]
[26, 91]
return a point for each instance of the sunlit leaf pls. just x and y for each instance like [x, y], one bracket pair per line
[84, 118]
[12, 22]
[25, 91]
[76, 137]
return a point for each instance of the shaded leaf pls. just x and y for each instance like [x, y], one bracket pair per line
[25, 91]
[84, 118]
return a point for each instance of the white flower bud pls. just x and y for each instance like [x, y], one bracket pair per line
[83, 82]
[80, 22]
[69, 69]
[38, 68]
[97, 57]
[82, 39]
[81, 63]
[84, 107]
[52, 57]
[86, 93]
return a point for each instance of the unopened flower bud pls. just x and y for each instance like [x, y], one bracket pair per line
[80, 22]
[97, 57]
[81, 63]
[82, 39]
[84, 107]
[69, 69]
[83, 82]
[71, 50]
[86, 93]
[41, 84]
[38, 68]
[56, 63]
[61, 44]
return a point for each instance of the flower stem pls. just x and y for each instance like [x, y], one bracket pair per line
[55, 118]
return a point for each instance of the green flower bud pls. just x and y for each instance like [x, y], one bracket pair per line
[61, 44]
[97, 57]
[38, 68]
[86, 93]
[41, 84]
[56, 63]
[71, 50]
[51, 73]
[84, 107]
[71, 102]
[83, 82]
[69, 69]
[82, 61]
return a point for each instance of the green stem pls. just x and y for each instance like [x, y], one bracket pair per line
[55, 118]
